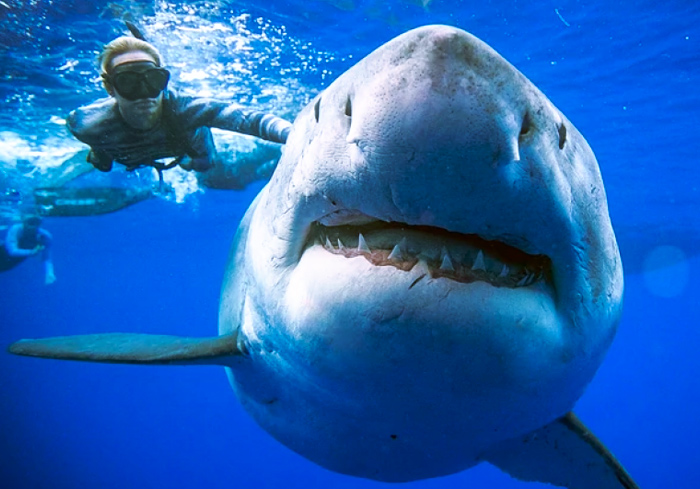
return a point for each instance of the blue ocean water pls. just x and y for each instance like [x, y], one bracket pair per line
[625, 73]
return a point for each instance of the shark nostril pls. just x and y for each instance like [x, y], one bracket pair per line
[348, 107]
[562, 135]
[317, 109]
[526, 125]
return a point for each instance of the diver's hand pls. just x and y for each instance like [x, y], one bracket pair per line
[99, 161]
[285, 134]
[185, 163]
[194, 164]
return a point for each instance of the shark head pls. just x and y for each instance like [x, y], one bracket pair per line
[432, 268]
[429, 280]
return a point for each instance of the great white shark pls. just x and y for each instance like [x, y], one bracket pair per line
[429, 280]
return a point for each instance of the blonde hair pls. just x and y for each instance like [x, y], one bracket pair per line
[126, 44]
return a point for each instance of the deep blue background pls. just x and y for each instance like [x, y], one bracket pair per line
[626, 73]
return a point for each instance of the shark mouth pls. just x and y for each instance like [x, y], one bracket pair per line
[464, 258]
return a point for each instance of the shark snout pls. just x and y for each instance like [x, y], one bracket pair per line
[446, 97]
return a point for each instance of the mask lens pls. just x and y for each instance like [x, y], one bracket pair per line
[133, 85]
[127, 83]
[157, 79]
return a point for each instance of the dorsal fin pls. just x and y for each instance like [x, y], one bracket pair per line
[142, 349]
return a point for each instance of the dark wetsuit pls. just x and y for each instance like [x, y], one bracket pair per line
[182, 131]
[19, 245]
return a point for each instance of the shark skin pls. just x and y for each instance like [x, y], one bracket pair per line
[429, 281]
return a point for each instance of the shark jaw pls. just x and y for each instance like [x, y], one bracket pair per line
[464, 258]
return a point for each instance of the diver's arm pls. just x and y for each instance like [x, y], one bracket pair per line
[232, 117]
[12, 243]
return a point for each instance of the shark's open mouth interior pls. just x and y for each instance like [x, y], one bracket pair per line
[464, 258]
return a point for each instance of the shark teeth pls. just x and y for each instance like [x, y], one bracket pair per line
[362, 245]
[396, 254]
[479, 262]
[463, 258]
[446, 263]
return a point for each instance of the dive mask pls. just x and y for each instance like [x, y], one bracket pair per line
[135, 85]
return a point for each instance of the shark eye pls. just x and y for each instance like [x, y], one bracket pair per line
[348, 107]
[562, 135]
[317, 109]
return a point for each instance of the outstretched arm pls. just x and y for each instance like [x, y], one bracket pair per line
[232, 117]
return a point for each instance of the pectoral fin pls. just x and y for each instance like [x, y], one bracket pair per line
[564, 453]
[133, 348]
